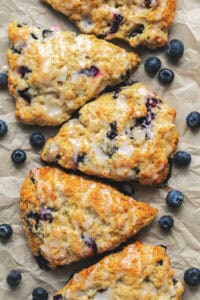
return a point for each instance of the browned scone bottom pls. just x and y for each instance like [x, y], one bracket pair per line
[139, 22]
[139, 272]
[126, 135]
[53, 73]
[66, 218]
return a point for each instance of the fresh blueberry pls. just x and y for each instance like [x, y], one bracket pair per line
[182, 158]
[152, 65]
[3, 80]
[37, 140]
[175, 198]
[192, 276]
[5, 232]
[39, 294]
[175, 49]
[14, 278]
[193, 120]
[166, 223]
[18, 156]
[3, 128]
[166, 76]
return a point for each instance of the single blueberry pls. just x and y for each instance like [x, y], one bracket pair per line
[193, 120]
[25, 94]
[166, 223]
[166, 76]
[23, 70]
[117, 19]
[152, 65]
[182, 158]
[5, 232]
[175, 198]
[39, 294]
[37, 140]
[90, 72]
[3, 128]
[3, 80]
[18, 156]
[42, 263]
[147, 3]
[192, 276]
[137, 30]
[175, 49]
[14, 278]
[46, 33]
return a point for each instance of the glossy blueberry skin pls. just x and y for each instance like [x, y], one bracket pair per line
[3, 80]
[175, 198]
[152, 65]
[18, 156]
[14, 278]
[166, 223]
[5, 232]
[175, 49]
[39, 294]
[192, 276]
[166, 76]
[193, 120]
[182, 158]
[37, 140]
[3, 128]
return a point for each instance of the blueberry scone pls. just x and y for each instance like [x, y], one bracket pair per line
[52, 73]
[125, 135]
[138, 272]
[66, 218]
[139, 22]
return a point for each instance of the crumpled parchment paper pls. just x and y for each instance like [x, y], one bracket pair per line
[183, 242]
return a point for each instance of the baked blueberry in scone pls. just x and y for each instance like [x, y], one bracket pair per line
[52, 73]
[66, 218]
[139, 22]
[138, 272]
[125, 135]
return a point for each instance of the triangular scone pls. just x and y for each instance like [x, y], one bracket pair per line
[53, 73]
[139, 22]
[138, 272]
[125, 135]
[66, 218]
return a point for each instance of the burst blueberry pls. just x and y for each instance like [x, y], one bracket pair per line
[166, 76]
[37, 140]
[175, 49]
[5, 232]
[193, 120]
[175, 198]
[139, 28]
[3, 80]
[14, 278]
[18, 156]
[39, 294]
[182, 158]
[166, 223]
[117, 19]
[152, 65]
[3, 128]
[192, 276]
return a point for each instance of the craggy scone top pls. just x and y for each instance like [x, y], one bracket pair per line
[139, 22]
[66, 218]
[139, 272]
[126, 135]
[53, 73]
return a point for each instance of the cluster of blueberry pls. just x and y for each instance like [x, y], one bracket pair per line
[174, 50]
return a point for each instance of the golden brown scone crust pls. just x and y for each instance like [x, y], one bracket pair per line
[53, 73]
[139, 272]
[139, 22]
[125, 135]
[66, 218]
